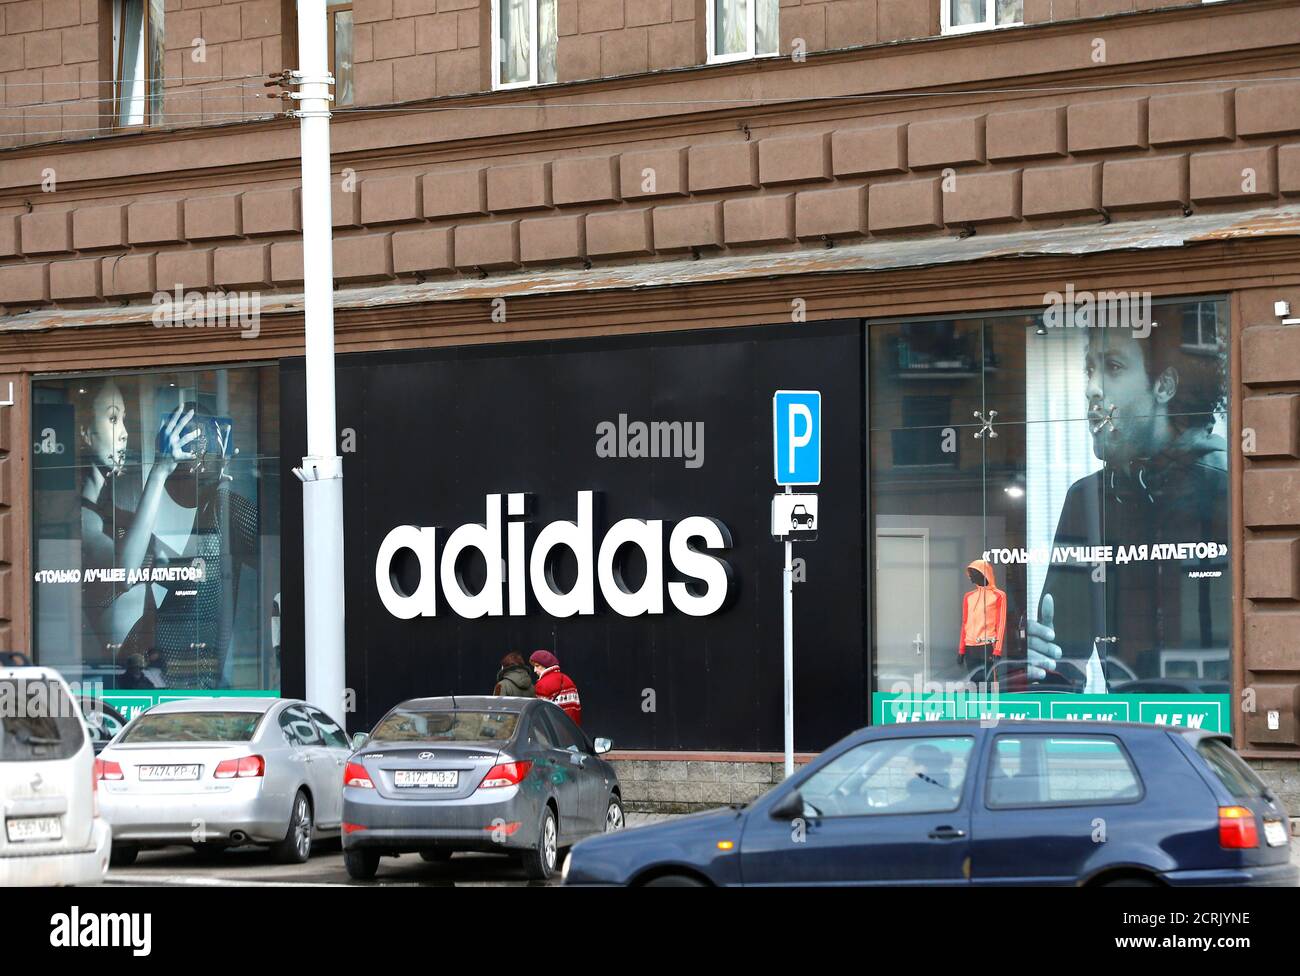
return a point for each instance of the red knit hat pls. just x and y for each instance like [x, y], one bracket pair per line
[545, 658]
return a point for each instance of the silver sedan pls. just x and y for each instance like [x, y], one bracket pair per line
[222, 772]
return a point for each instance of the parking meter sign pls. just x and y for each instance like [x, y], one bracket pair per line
[797, 436]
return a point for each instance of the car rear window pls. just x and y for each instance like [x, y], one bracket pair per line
[423, 725]
[1237, 778]
[192, 727]
[38, 721]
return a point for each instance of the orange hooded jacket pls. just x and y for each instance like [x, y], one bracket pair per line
[983, 612]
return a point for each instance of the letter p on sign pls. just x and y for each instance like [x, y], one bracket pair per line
[796, 436]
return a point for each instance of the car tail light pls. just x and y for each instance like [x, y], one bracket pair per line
[505, 774]
[107, 769]
[351, 828]
[1237, 828]
[94, 788]
[354, 774]
[241, 768]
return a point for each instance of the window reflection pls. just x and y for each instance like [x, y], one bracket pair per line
[155, 517]
[1085, 470]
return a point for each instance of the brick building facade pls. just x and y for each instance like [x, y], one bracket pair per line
[649, 190]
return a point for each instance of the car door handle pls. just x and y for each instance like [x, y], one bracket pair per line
[947, 833]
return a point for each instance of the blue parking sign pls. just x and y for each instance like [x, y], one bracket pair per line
[797, 436]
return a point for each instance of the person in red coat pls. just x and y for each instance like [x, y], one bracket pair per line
[554, 685]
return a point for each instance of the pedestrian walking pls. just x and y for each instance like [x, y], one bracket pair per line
[556, 686]
[514, 680]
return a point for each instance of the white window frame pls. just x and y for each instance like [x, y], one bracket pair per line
[990, 14]
[751, 38]
[139, 89]
[533, 36]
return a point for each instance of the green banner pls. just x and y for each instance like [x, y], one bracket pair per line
[1208, 712]
[132, 703]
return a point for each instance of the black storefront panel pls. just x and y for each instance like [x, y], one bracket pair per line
[437, 431]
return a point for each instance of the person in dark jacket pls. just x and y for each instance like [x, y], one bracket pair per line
[556, 686]
[514, 680]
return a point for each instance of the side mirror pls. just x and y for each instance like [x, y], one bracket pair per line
[603, 746]
[788, 807]
[359, 739]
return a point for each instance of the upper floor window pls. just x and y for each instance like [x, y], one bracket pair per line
[338, 47]
[137, 61]
[338, 35]
[960, 16]
[740, 29]
[524, 38]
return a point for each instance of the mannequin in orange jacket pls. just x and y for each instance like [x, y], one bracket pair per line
[983, 614]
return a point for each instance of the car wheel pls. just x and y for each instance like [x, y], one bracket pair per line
[361, 865]
[296, 846]
[614, 819]
[438, 856]
[539, 861]
[1131, 882]
[674, 881]
[123, 855]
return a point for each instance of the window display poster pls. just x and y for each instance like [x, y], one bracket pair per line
[156, 557]
[1090, 471]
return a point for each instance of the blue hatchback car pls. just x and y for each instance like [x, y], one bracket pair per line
[954, 803]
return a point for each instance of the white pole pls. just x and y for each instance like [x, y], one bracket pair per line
[322, 468]
[787, 578]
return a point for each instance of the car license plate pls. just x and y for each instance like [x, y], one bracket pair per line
[157, 773]
[33, 829]
[446, 779]
[1275, 833]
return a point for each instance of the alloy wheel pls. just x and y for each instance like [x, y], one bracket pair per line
[614, 817]
[302, 827]
[549, 846]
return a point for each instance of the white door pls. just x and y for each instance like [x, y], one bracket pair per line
[902, 606]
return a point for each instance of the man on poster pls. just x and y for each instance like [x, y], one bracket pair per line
[1152, 406]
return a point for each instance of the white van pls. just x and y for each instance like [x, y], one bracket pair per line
[52, 833]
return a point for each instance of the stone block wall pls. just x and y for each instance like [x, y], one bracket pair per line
[684, 785]
[925, 171]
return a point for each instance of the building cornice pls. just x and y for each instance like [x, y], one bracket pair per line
[1010, 280]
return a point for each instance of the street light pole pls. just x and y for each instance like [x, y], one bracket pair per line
[322, 469]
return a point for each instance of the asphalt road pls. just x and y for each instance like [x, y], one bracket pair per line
[182, 867]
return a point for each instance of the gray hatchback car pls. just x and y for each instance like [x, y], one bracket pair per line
[502, 775]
